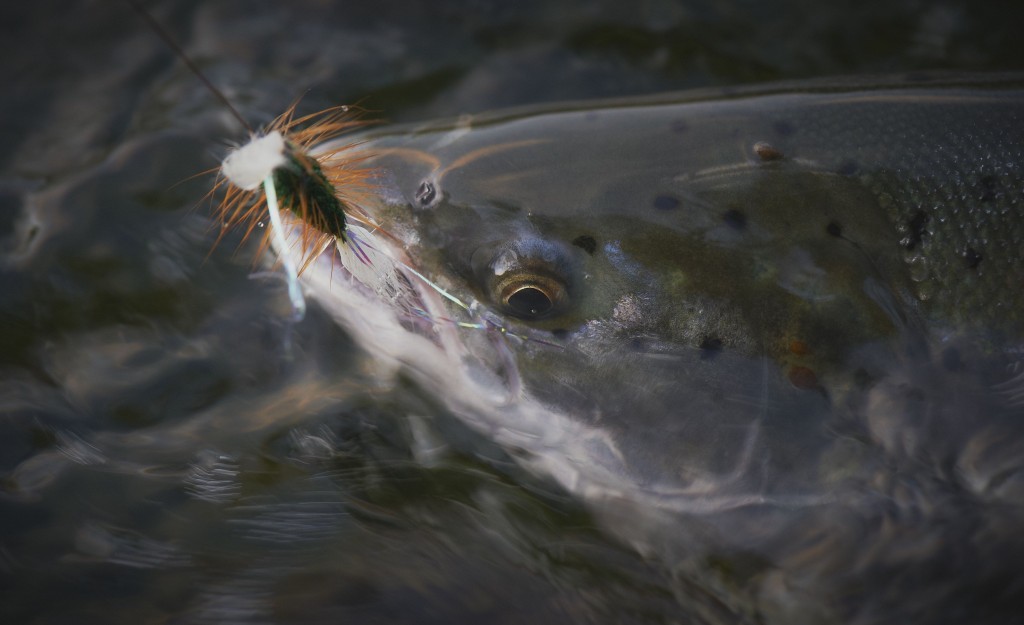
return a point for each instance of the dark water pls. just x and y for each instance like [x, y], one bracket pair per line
[173, 451]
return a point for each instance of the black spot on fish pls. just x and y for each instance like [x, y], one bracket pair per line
[863, 379]
[767, 152]
[679, 126]
[709, 347]
[735, 219]
[972, 258]
[951, 359]
[988, 188]
[665, 202]
[560, 333]
[917, 227]
[426, 193]
[784, 128]
[834, 229]
[586, 242]
[849, 168]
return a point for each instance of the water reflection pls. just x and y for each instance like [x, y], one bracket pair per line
[173, 451]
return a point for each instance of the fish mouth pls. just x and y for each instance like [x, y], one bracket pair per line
[367, 277]
[369, 284]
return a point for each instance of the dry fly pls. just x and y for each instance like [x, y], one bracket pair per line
[276, 170]
[280, 169]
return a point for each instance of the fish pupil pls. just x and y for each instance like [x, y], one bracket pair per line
[529, 301]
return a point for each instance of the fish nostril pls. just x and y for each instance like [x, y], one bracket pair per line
[529, 301]
[426, 193]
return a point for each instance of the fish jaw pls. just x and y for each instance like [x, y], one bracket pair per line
[367, 287]
[431, 349]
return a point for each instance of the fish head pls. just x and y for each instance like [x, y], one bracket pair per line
[706, 322]
[638, 321]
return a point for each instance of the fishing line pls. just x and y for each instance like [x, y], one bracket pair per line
[318, 190]
[173, 45]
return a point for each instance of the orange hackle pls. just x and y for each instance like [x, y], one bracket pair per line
[351, 183]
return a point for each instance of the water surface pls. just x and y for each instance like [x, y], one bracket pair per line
[173, 450]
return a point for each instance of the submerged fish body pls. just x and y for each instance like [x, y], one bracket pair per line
[748, 324]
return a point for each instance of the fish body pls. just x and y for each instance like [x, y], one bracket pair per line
[732, 323]
[926, 182]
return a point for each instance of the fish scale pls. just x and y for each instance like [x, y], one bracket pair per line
[963, 180]
[963, 221]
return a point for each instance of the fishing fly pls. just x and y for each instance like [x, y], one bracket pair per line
[276, 170]
[285, 167]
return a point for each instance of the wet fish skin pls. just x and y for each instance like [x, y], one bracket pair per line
[925, 183]
[784, 225]
[745, 350]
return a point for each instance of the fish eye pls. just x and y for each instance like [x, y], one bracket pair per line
[534, 297]
[529, 278]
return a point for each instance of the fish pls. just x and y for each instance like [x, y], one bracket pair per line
[745, 326]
